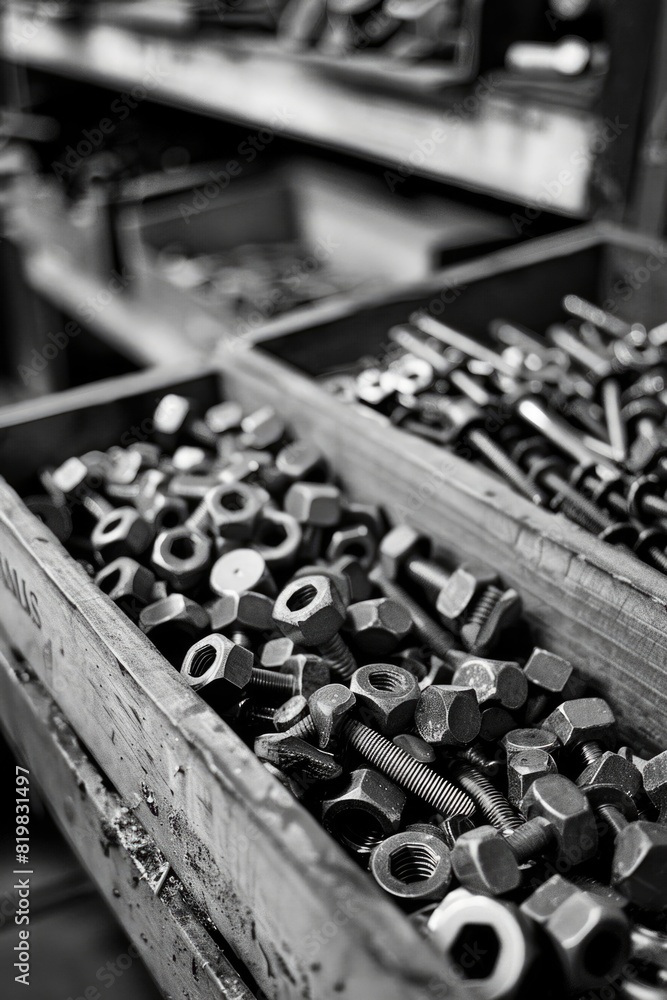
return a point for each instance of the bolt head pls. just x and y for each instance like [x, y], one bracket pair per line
[397, 546]
[483, 862]
[521, 740]
[456, 597]
[219, 665]
[580, 720]
[548, 672]
[523, 768]
[315, 504]
[639, 867]
[329, 706]
[378, 626]
[498, 681]
[655, 779]
[448, 715]
[612, 769]
[558, 800]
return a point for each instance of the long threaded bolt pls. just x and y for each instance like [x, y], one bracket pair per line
[408, 773]
[431, 634]
[505, 465]
[493, 806]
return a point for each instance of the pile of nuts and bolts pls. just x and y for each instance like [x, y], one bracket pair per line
[573, 419]
[392, 692]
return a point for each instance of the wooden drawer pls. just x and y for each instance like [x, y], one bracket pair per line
[591, 602]
[302, 917]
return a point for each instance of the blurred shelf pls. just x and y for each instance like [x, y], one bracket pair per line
[500, 143]
[114, 317]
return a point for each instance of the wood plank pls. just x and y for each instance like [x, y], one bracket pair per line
[269, 876]
[131, 873]
[512, 147]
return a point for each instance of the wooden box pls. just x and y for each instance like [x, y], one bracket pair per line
[302, 917]
[587, 600]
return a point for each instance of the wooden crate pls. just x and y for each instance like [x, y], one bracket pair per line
[303, 917]
[599, 606]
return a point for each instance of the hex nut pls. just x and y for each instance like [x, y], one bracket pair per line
[387, 697]
[309, 610]
[413, 866]
[523, 768]
[399, 545]
[233, 509]
[655, 780]
[490, 943]
[172, 624]
[316, 504]
[580, 720]
[484, 862]
[219, 669]
[329, 707]
[181, 557]
[639, 866]
[128, 584]
[556, 799]
[548, 672]
[448, 715]
[241, 570]
[247, 610]
[278, 538]
[612, 769]
[377, 626]
[121, 532]
[276, 652]
[520, 740]
[309, 672]
[364, 811]
[339, 579]
[498, 681]
[590, 934]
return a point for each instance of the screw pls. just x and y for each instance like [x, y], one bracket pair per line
[491, 804]
[404, 770]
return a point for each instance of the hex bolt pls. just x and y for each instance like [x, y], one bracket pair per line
[431, 634]
[310, 611]
[409, 774]
[490, 803]
[582, 725]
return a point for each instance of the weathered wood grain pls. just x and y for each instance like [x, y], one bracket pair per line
[131, 873]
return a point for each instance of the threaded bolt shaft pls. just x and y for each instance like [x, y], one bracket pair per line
[198, 520]
[612, 817]
[304, 730]
[505, 465]
[269, 685]
[408, 773]
[590, 752]
[427, 574]
[493, 806]
[531, 839]
[339, 657]
[431, 634]
[475, 755]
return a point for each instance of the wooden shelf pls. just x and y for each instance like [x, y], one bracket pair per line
[504, 144]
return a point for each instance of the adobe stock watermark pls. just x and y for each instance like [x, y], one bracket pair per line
[579, 160]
